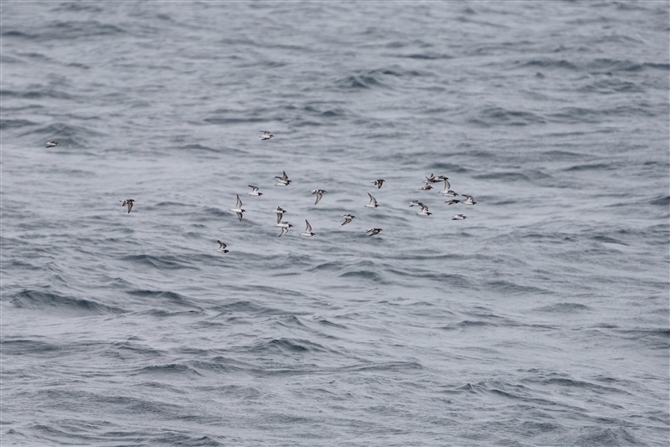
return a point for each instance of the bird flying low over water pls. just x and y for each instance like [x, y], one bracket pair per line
[308, 230]
[468, 200]
[254, 191]
[265, 135]
[424, 211]
[238, 208]
[426, 187]
[222, 247]
[347, 218]
[447, 191]
[318, 193]
[280, 213]
[373, 202]
[51, 143]
[452, 202]
[433, 179]
[128, 203]
[284, 228]
[283, 180]
[459, 217]
[374, 231]
[379, 182]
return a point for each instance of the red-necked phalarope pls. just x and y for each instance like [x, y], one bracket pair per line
[308, 231]
[238, 208]
[280, 213]
[52, 143]
[222, 247]
[373, 202]
[254, 191]
[265, 135]
[468, 200]
[284, 228]
[283, 180]
[347, 218]
[447, 191]
[433, 179]
[459, 217]
[374, 231]
[318, 193]
[379, 182]
[424, 211]
[127, 202]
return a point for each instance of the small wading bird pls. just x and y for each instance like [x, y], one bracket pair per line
[459, 217]
[447, 191]
[52, 143]
[238, 208]
[468, 200]
[284, 228]
[318, 193]
[379, 182]
[265, 135]
[433, 179]
[374, 231]
[347, 218]
[373, 202]
[280, 213]
[128, 203]
[254, 191]
[283, 180]
[222, 247]
[424, 211]
[308, 230]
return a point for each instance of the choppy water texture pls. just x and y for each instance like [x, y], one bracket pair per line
[542, 319]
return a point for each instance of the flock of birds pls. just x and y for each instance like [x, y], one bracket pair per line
[283, 180]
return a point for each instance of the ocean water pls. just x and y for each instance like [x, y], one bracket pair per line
[540, 320]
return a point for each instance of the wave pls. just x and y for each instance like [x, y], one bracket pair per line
[662, 201]
[564, 308]
[25, 347]
[497, 116]
[598, 436]
[170, 369]
[46, 301]
[7, 124]
[168, 262]
[429, 55]
[287, 346]
[375, 79]
[368, 275]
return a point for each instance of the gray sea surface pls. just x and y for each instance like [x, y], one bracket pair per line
[540, 320]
